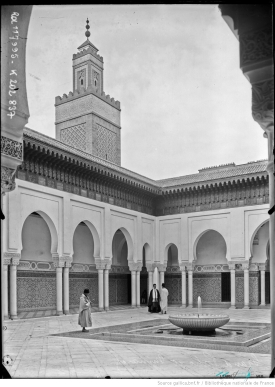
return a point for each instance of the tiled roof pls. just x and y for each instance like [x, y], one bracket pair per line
[68, 148]
[87, 43]
[241, 170]
[205, 177]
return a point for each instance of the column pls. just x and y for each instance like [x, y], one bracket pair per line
[66, 290]
[106, 289]
[233, 285]
[133, 288]
[148, 288]
[5, 301]
[262, 271]
[156, 277]
[190, 288]
[5, 291]
[161, 270]
[59, 263]
[183, 287]
[138, 288]
[13, 288]
[161, 279]
[150, 282]
[100, 289]
[59, 310]
[246, 285]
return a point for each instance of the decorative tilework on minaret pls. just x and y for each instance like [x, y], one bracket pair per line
[86, 118]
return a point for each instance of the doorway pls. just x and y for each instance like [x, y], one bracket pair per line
[226, 287]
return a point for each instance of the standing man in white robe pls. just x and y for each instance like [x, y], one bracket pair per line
[164, 299]
[85, 317]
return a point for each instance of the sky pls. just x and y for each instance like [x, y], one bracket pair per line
[185, 103]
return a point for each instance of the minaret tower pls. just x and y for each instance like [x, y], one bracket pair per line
[86, 118]
[88, 70]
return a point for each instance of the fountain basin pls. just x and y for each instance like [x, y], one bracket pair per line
[203, 322]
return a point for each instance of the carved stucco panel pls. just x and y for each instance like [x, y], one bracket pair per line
[255, 46]
[11, 148]
[263, 103]
[7, 179]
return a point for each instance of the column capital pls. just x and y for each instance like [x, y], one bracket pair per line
[100, 263]
[135, 266]
[245, 265]
[11, 258]
[189, 266]
[232, 265]
[241, 264]
[108, 263]
[262, 266]
[58, 261]
[150, 267]
[67, 259]
[161, 267]
[103, 264]
[15, 261]
[254, 267]
[154, 265]
[183, 266]
[100, 266]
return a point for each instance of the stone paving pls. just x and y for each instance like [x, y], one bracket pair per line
[47, 313]
[35, 353]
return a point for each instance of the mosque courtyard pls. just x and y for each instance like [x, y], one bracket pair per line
[131, 343]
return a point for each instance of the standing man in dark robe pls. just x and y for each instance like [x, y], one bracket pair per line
[154, 300]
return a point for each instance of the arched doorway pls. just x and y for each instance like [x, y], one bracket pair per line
[211, 280]
[260, 256]
[83, 273]
[36, 280]
[172, 276]
[119, 277]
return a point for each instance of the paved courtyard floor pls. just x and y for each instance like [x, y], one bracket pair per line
[50, 347]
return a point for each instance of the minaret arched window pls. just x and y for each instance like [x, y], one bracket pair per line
[81, 77]
[96, 79]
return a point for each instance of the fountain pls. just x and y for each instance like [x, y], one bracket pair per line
[199, 322]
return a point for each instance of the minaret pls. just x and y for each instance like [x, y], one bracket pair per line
[86, 118]
[88, 70]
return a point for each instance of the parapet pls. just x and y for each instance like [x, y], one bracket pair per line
[82, 92]
[221, 166]
[86, 51]
[257, 161]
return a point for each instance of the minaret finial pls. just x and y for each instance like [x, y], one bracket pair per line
[87, 33]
